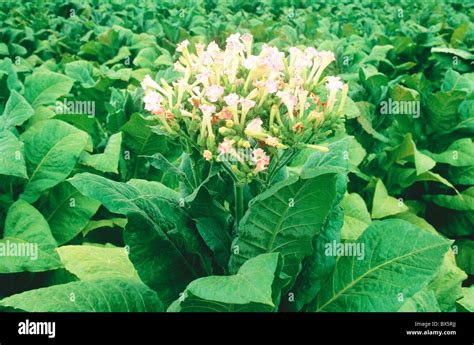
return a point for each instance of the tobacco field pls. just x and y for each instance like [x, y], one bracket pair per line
[237, 156]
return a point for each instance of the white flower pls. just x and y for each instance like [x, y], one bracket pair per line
[326, 56]
[153, 101]
[247, 103]
[214, 92]
[226, 146]
[254, 126]
[250, 62]
[182, 46]
[231, 99]
[271, 85]
[207, 110]
[233, 42]
[334, 83]
[148, 83]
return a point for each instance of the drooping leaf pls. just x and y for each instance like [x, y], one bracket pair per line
[385, 205]
[12, 159]
[101, 295]
[107, 161]
[17, 111]
[67, 211]
[447, 283]
[407, 151]
[250, 289]
[27, 245]
[160, 263]
[90, 262]
[458, 154]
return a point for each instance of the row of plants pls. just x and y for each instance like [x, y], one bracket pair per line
[237, 156]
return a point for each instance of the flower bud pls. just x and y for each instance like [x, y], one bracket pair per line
[229, 123]
[226, 131]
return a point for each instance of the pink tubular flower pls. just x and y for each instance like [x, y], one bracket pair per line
[153, 102]
[271, 85]
[250, 62]
[207, 155]
[255, 126]
[233, 42]
[247, 103]
[226, 146]
[231, 99]
[207, 109]
[246, 38]
[214, 92]
[261, 160]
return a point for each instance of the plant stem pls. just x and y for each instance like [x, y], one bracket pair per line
[239, 202]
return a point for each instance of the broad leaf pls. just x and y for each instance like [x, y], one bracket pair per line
[12, 160]
[67, 211]
[90, 262]
[384, 205]
[27, 244]
[160, 262]
[107, 161]
[43, 88]
[17, 111]
[101, 295]
[250, 289]
[400, 259]
[52, 149]
[284, 219]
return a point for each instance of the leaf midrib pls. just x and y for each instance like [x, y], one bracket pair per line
[355, 281]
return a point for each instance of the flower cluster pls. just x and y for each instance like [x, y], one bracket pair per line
[241, 109]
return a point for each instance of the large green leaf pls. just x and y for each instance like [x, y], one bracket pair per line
[81, 71]
[107, 161]
[423, 301]
[385, 205]
[90, 262]
[356, 216]
[407, 151]
[459, 202]
[67, 211]
[465, 255]
[139, 136]
[466, 303]
[284, 219]
[400, 259]
[52, 149]
[101, 295]
[17, 111]
[12, 160]
[43, 88]
[447, 283]
[458, 154]
[27, 244]
[160, 262]
[250, 289]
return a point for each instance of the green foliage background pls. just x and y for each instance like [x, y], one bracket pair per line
[84, 187]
